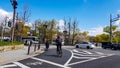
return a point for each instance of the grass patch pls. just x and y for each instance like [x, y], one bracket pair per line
[10, 43]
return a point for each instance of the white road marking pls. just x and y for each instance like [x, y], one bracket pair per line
[49, 62]
[89, 60]
[86, 55]
[21, 65]
[74, 50]
[86, 60]
[82, 57]
[99, 53]
[87, 52]
[6, 66]
[69, 59]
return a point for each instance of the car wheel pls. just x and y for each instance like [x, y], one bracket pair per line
[88, 47]
[77, 46]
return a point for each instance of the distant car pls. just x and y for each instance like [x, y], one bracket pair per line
[106, 45]
[115, 46]
[87, 45]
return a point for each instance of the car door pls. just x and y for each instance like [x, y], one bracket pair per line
[84, 44]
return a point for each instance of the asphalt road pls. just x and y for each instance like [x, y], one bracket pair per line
[71, 58]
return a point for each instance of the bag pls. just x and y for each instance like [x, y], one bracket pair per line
[59, 41]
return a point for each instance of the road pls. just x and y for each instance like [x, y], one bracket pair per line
[72, 58]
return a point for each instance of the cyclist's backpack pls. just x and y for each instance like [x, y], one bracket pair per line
[59, 41]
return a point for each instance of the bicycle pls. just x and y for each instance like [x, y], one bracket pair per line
[59, 52]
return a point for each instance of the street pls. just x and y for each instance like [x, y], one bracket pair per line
[72, 58]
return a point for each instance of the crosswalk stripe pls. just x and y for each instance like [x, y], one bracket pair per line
[86, 60]
[49, 62]
[86, 55]
[21, 65]
[99, 53]
[82, 57]
[87, 52]
[76, 51]
[5, 66]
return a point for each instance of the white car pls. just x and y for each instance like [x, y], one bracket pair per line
[87, 45]
[54, 43]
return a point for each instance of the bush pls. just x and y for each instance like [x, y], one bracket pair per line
[3, 43]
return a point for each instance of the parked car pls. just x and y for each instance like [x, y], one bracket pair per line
[115, 46]
[87, 45]
[106, 45]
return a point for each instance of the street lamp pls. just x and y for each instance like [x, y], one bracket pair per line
[45, 26]
[65, 32]
[14, 4]
[112, 20]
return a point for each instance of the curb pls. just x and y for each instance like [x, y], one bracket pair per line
[4, 61]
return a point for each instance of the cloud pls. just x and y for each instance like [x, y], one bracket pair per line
[117, 22]
[61, 25]
[4, 14]
[29, 24]
[96, 31]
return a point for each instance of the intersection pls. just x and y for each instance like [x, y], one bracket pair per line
[72, 58]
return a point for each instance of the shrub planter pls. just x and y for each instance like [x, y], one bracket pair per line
[10, 47]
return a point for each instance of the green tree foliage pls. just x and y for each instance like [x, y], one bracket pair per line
[107, 29]
[102, 38]
[21, 30]
[47, 29]
[116, 37]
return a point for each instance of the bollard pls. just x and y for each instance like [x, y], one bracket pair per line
[28, 49]
[35, 48]
[29, 45]
[38, 46]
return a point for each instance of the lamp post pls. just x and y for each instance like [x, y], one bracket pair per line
[65, 32]
[112, 20]
[14, 4]
[45, 26]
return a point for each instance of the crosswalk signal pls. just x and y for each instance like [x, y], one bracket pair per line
[9, 24]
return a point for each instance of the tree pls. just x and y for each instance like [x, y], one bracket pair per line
[102, 38]
[116, 37]
[74, 30]
[107, 29]
[48, 32]
[24, 17]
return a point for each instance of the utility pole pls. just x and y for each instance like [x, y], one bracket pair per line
[112, 20]
[111, 28]
[14, 4]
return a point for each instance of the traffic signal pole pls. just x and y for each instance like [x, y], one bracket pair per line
[110, 28]
[14, 4]
[13, 24]
[113, 20]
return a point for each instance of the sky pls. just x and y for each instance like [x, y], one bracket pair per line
[91, 15]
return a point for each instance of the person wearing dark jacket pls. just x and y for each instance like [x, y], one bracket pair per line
[47, 44]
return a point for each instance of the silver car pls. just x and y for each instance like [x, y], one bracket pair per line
[87, 45]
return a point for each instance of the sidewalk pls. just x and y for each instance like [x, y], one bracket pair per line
[15, 55]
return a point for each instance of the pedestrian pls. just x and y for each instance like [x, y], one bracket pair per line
[47, 44]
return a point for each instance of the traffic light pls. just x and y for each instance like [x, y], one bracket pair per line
[9, 23]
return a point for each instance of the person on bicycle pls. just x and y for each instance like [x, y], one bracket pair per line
[59, 44]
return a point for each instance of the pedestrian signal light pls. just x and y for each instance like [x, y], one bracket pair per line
[9, 24]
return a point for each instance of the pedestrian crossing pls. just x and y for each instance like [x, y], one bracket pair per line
[83, 56]
[78, 56]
